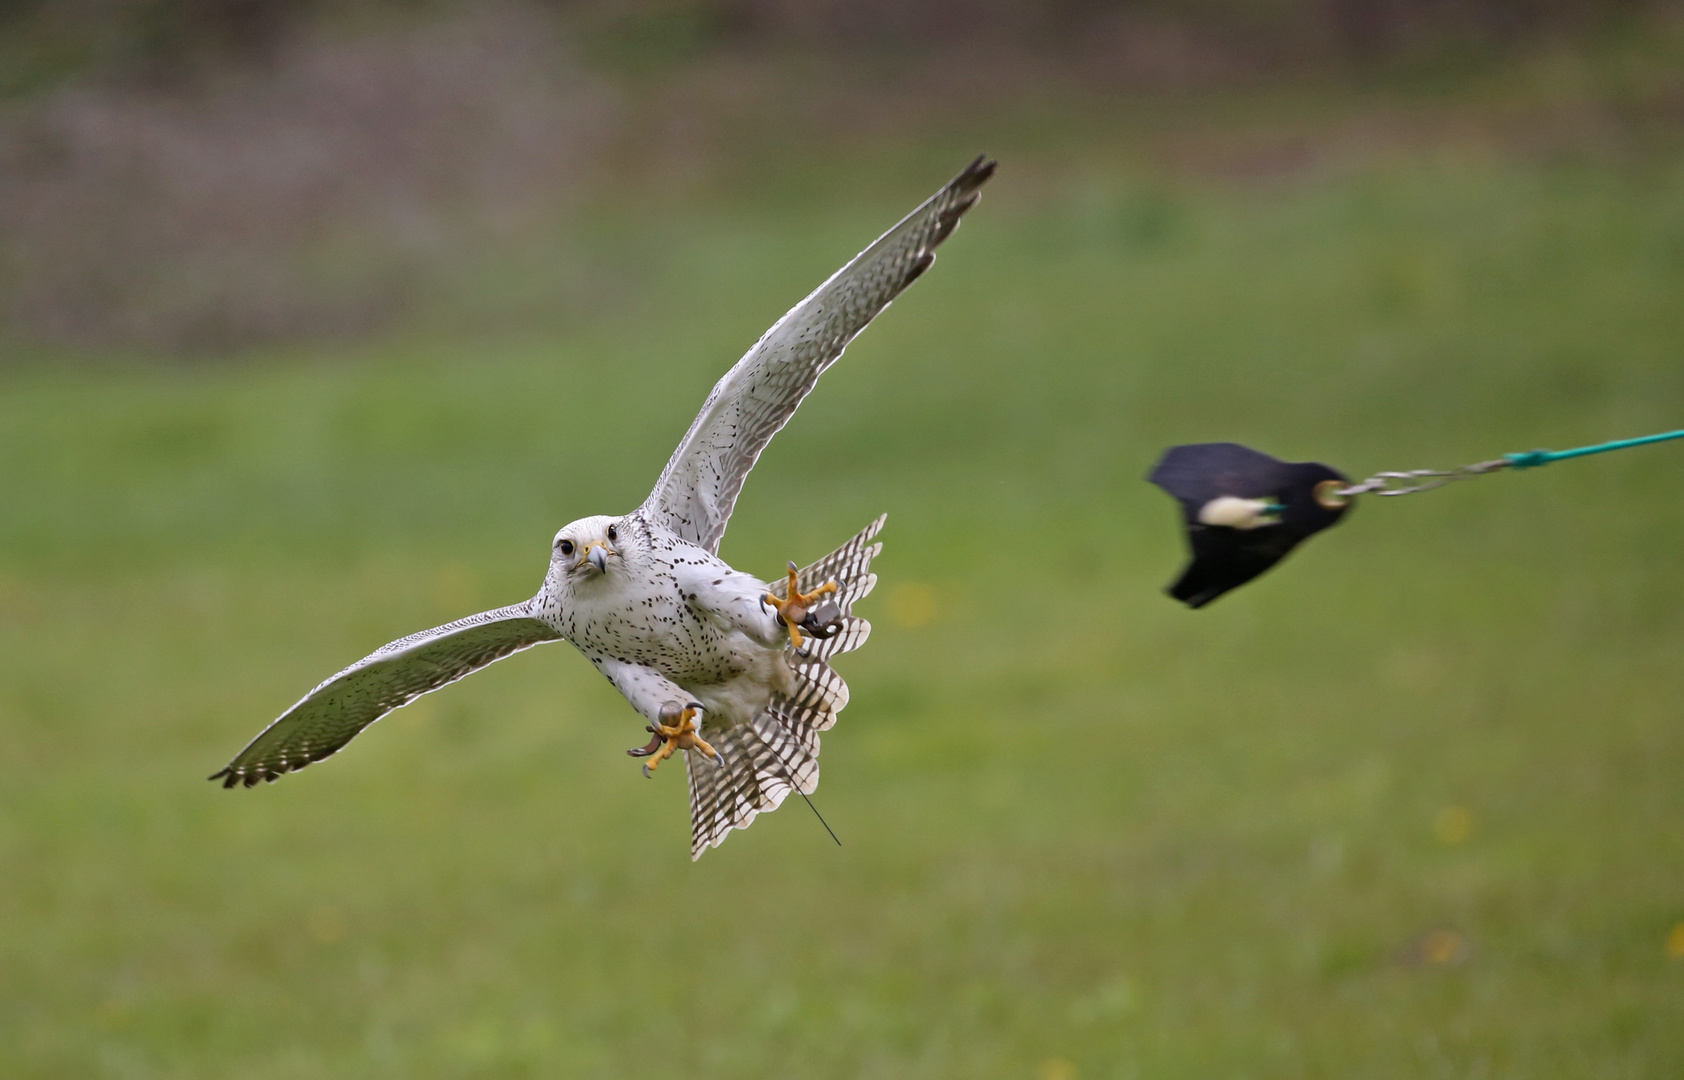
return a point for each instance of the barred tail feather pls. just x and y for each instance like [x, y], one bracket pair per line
[761, 762]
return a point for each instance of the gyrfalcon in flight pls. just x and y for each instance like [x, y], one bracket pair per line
[729, 669]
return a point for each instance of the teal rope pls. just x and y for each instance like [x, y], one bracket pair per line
[1531, 459]
[1408, 483]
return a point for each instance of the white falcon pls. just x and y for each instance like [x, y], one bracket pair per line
[724, 666]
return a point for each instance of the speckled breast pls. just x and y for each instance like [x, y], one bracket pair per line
[647, 623]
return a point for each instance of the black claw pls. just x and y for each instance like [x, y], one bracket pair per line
[645, 751]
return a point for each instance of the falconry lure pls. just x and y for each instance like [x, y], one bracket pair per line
[1244, 511]
[729, 669]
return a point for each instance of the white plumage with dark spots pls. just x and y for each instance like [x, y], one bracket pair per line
[731, 670]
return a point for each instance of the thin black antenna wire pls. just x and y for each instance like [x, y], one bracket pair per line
[820, 816]
[790, 780]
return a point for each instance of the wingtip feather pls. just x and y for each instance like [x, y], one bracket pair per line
[976, 173]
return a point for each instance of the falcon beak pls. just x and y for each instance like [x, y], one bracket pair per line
[596, 553]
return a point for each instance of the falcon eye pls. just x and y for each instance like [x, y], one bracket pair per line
[565, 547]
[613, 534]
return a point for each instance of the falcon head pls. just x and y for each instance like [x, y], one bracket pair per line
[588, 547]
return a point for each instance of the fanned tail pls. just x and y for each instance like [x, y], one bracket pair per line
[761, 762]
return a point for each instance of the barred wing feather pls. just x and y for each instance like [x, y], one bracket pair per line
[334, 713]
[761, 762]
[699, 487]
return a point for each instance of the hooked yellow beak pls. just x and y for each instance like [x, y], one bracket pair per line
[596, 553]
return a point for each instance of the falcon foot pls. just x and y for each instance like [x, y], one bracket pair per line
[808, 612]
[674, 730]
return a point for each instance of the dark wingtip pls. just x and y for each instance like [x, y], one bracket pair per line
[962, 190]
[1192, 591]
[977, 172]
[229, 777]
[1194, 601]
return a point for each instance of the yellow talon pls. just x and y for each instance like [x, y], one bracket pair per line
[794, 610]
[677, 730]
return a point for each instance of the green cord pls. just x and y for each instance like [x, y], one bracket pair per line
[1533, 458]
[1408, 483]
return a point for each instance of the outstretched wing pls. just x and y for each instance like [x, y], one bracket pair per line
[333, 713]
[756, 398]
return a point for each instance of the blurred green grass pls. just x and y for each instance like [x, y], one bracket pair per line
[1086, 833]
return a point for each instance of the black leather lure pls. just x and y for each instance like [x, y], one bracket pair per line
[1243, 511]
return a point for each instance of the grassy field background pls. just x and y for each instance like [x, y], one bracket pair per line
[1408, 806]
